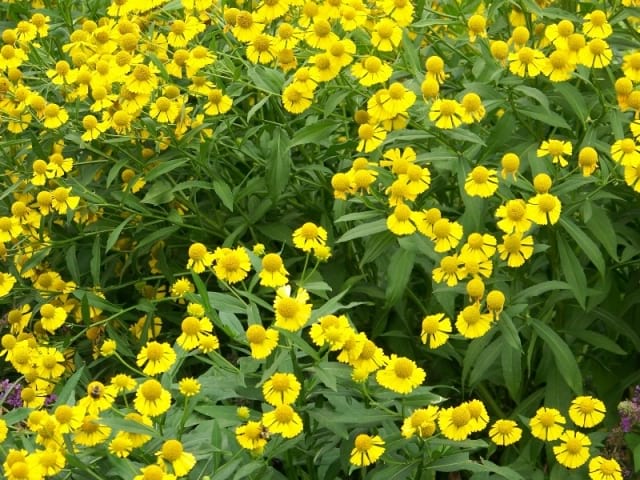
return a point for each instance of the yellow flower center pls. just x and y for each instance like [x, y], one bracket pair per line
[62, 67]
[64, 413]
[309, 231]
[171, 450]
[520, 35]
[285, 31]
[471, 314]
[460, 416]
[627, 145]
[47, 310]
[141, 73]
[230, 262]
[430, 325]
[89, 122]
[280, 382]
[402, 212]
[559, 59]
[153, 472]
[363, 178]
[574, 446]
[262, 43]
[49, 361]
[5, 222]
[363, 442]
[197, 251]
[20, 470]
[121, 118]
[180, 57]
[215, 96]
[597, 46]
[323, 62]
[28, 394]
[337, 49]
[7, 52]
[368, 350]
[510, 162]
[634, 61]
[633, 100]
[495, 300]
[288, 307]
[434, 64]
[586, 406]
[471, 102]
[609, 467]
[51, 110]
[475, 241]
[598, 18]
[442, 228]
[163, 104]
[480, 174]
[128, 42]
[475, 288]
[321, 27]
[385, 29]
[477, 23]
[449, 264]
[547, 419]
[414, 172]
[60, 194]
[14, 317]
[403, 368]
[191, 326]
[515, 210]
[154, 351]
[256, 334]
[178, 27]
[526, 55]
[432, 215]
[503, 427]
[396, 91]
[151, 390]
[284, 413]
[565, 28]
[272, 262]
[575, 42]
[547, 202]
[512, 243]
[447, 108]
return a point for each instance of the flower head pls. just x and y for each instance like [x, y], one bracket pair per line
[401, 375]
[366, 450]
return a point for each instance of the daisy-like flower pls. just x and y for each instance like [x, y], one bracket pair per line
[422, 422]
[371, 71]
[281, 388]
[601, 468]
[397, 98]
[156, 357]
[386, 35]
[418, 179]
[296, 99]
[273, 273]
[138, 439]
[626, 152]
[481, 182]
[426, 219]
[526, 62]
[558, 34]
[495, 302]
[505, 432]
[454, 422]
[446, 235]
[309, 236]
[231, 265]
[450, 271]
[217, 103]
[435, 68]
[153, 472]
[98, 399]
[91, 432]
[7, 281]
[595, 54]
[371, 358]
[544, 209]
[63, 200]
[473, 110]
[477, 26]
[435, 330]
[479, 416]
[52, 317]
[573, 450]
[120, 446]
[151, 399]
[516, 249]
[558, 66]
[472, 323]
[510, 163]
[283, 420]
[588, 160]
[595, 25]
[54, 116]
[399, 222]
[292, 313]
[199, 258]
[366, 450]
[262, 341]
[330, 330]
[401, 375]
[631, 67]
[193, 330]
[370, 137]
[586, 411]
[547, 424]
[251, 436]
[172, 453]
[479, 247]
[513, 216]
[557, 150]
[446, 113]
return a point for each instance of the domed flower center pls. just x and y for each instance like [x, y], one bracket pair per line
[141, 73]
[288, 307]
[559, 59]
[515, 211]
[197, 251]
[449, 264]
[460, 416]
[597, 46]
[178, 27]
[272, 262]
[262, 43]
[512, 244]
[363, 442]
[284, 413]
[480, 174]
[163, 104]
[191, 326]
[471, 102]
[403, 368]
[442, 228]
[574, 446]
[230, 262]
[565, 28]
[385, 30]
[471, 314]
[525, 55]
[151, 390]
[372, 64]
[547, 419]
[171, 450]
[321, 28]
[244, 20]
[396, 91]
[280, 382]
[547, 202]
[447, 108]
[47, 311]
[598, 18]
[256, 334]
[402, 212]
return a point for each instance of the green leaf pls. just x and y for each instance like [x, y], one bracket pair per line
[485, 362]
[156, 236]
[534, 93]
[574, 98]
[364, 230]
[66, 394]
[72, 264]
[266, 79]
[598, 340]
[164, 167]
[115, 233]
[587, 245]
[602, 229]
[539, 289]
[159, 193]
[278, 163]
[544, 116]
[96, 261]
[376, 246]
[511, 360]
[224, 193]
[564, 359]
[317, 132]
[573, 271]
[398, 274]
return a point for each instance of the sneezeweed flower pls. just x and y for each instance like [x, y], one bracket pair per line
[291, 313]
[91, 432]
[231, 265]
[446, 113]
[208, 343]
[505, 432]
[262, 341]
[510, 163]
[450, 271]
[558, 34]
[481, 182]
[526, 62]
[7, 281]
[544, 209]
[477, 26]
[435, 330]
[422, 422]
[54, 116]
[595, 25]
[181, 287]
[472, 323]
[138, 439]
[52, 317]
[296, 99]
[98, 399]
[495, 302]
[588, 160]
[454, 422]
[557, 150]
[199, 258]
[479, 416]
[397, 98]
[499, 50]
[430, 89]
[193, 330]
[62, 200]
[281, 388]
[273, 273]
[558, 66]
[371, 70]
[601, 468]
[586, 411]
[479, 247]
[156, 357]
[625, 152]
[399, 222]
[542, 183]
[283, 420]
[172, 453]
[252, 436]
[401, 375]
[217, 103]
[341, 184]
[516, 249]
[50, 363]
[261, 49]
[120, 446]
[366, 450]
[425, 219]
[330, 330]
[386, 35]
[445, 235]
[473, 109]
[547, 424]
[151, 399]
[370, 137]
[595, 54]
[153, 472]
[123, 383]
[309, 236]
[475, 289]
[631, 66]
[92, 128]
[573, 452]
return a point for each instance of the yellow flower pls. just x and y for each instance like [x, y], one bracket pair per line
[156, 357]
[510, 163]
[514, 216]
[526, 62]
[588, 160]
[366, 450]
[544, 209]
[547, 424]
[371, 71]
[450, 271]
[446, 113]
[601, 468]
[397, 98]
[4, 430]
[55, 116]
[556, 149]
[251, 436]
[151, 399]
[231, 265]
[435, 330]
[370, 358]
[281, 388]
[63, 200]
[558, 66]
[165, 110]
[481, 182]
[262, 341]
[435, 69]
[291, 312]
[172, 452]
[123, 383]
[193, 330]
[422, 422]
[7, 281]
[153, 472]
[595, 25]
[558, 34]
[454, 422]
[217, 102]
[473, 110]
[586, 411]
[296, 98]
[596, 54]
[386, 35]
[370, 137]
[399, 222]
[505, 432]
[261, 49]
[479, 416]
[199, 258]
[472, 323]
[626, 152]
[495, 302]
[446, 235]
[401, 375]
[52, 317]
[273, 273]
[120, 445]
[573, 452]
[309, 236]
[515, 249]
[330, 330]
[91, 432]
[477, 25]
[283, 420]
